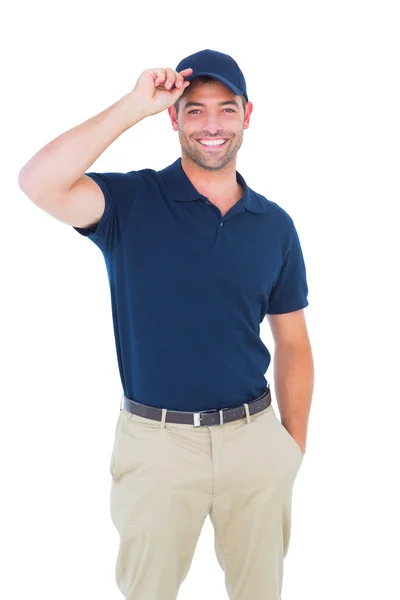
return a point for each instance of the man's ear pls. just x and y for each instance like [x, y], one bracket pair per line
[173, 117]
[248, 111]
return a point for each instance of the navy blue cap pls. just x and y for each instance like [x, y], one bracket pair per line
[218, 65]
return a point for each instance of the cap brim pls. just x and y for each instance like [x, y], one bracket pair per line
[228, 83]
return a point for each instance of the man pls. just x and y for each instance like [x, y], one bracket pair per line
[195, 260]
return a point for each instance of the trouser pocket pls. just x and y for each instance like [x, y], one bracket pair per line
[118, 433]
[290, 441]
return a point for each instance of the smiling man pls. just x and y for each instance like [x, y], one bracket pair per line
[195, 259]
[209, 157]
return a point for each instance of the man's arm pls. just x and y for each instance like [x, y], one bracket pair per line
[54, 178]
[293, 372]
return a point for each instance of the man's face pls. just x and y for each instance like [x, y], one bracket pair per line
[212, 120]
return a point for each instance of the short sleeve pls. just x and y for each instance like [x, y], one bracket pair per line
[290, 290]
[120, 192]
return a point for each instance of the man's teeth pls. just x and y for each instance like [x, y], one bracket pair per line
[211, 142]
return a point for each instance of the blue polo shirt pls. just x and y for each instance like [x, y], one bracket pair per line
[189, 287]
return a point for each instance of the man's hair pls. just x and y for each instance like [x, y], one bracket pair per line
[205, 79]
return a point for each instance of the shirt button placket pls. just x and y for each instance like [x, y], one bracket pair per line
[218, 231]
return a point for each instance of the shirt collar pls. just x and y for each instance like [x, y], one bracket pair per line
[182, 189]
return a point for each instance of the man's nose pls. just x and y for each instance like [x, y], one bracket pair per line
[211, 124]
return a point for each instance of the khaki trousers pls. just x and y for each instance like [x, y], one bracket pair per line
[168, 477]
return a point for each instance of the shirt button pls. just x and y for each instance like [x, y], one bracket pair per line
[222, 223]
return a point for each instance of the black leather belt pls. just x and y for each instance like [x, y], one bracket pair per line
[197, 419]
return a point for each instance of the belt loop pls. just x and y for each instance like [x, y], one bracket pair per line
[246, 408]
[122, 397]
[163, 418]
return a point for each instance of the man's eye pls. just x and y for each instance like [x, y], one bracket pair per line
[196, 109]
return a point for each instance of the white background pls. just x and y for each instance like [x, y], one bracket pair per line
[323, 143]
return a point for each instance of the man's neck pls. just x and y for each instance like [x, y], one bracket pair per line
[220, 187]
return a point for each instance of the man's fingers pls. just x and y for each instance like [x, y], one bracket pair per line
[176, 92]
[160, 76]
[171, 78]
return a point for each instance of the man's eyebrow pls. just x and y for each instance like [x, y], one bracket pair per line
[191, 103]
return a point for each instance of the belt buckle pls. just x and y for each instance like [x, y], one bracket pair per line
[196, 419]
[197, 416]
